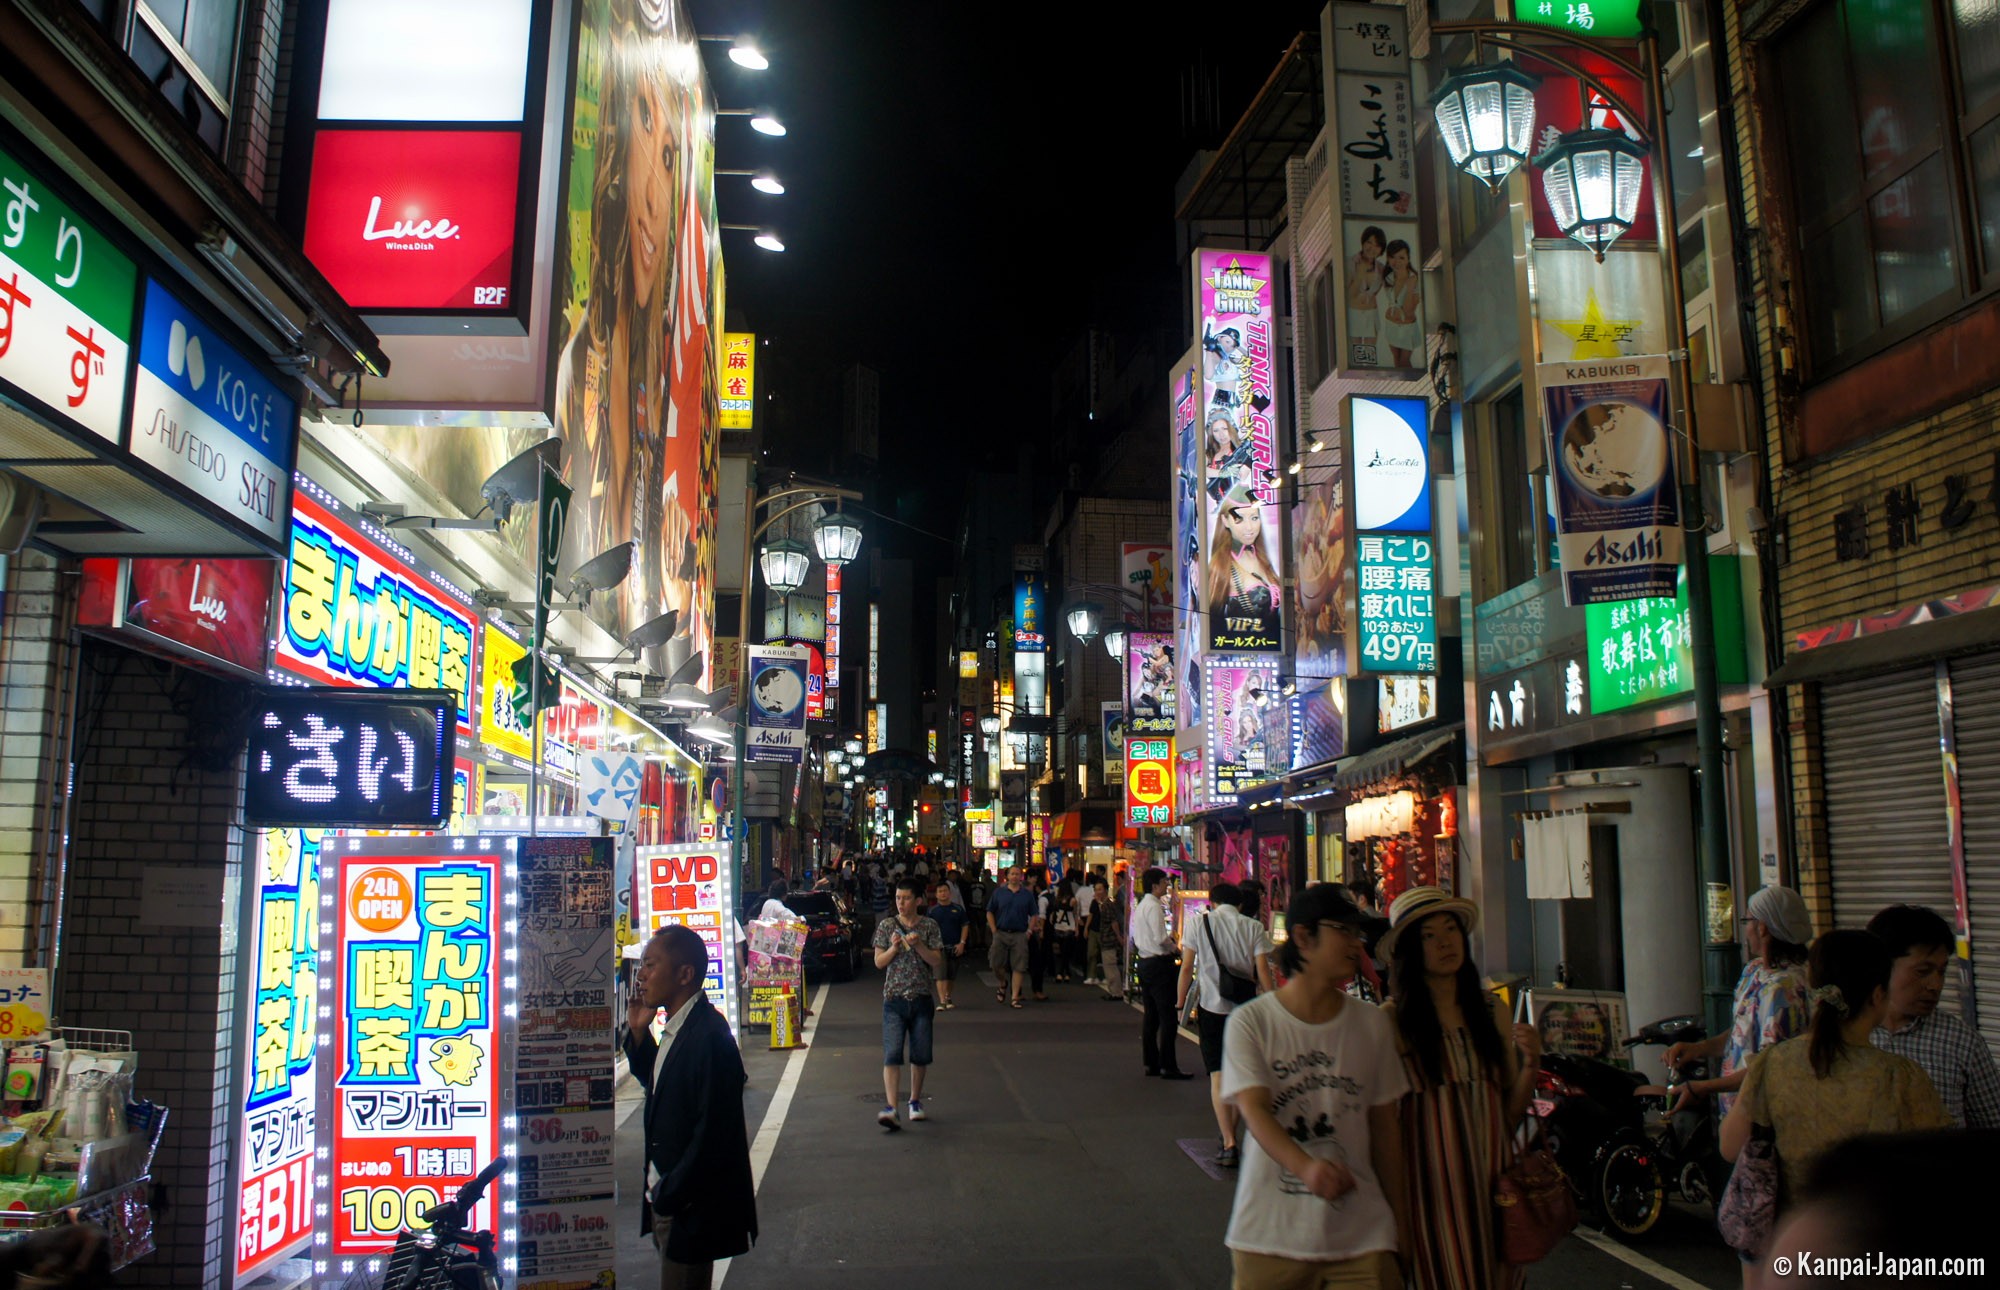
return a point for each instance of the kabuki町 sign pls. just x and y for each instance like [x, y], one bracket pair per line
[1617, 516]
[333, 758]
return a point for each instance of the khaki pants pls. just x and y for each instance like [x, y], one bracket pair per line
[1269, 1272]
[677, 1276]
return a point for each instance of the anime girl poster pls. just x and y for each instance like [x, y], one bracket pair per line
[1241, 590]
[1189, 621]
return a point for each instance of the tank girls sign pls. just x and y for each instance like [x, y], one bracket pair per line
[1190, 631]
[1239, 587]
[1617, 516]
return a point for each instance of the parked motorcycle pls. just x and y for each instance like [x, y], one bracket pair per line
[1613, 1133]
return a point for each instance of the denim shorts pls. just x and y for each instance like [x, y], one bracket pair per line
[907, 1019]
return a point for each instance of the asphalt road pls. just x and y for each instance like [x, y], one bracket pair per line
[1048, 1161]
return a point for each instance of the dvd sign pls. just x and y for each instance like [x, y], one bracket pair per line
[416, 219]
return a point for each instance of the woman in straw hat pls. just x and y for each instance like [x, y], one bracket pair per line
[1468, 1090]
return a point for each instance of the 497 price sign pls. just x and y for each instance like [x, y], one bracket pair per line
[1396, 604]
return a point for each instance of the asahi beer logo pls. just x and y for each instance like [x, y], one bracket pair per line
[412, 234]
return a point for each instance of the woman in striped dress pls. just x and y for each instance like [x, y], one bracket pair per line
[1468, 1090]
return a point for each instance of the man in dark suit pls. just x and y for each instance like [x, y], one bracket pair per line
[701, 1204]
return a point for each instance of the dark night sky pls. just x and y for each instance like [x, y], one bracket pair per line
[969, 186]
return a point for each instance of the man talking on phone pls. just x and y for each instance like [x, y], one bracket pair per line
[909, 949]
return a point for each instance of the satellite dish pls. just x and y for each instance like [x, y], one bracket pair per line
[520, 479]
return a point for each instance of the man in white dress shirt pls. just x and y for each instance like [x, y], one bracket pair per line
[1159, 973]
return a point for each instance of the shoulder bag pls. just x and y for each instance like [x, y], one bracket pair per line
[1749, 1204]
[1233, 986]
[1533, 1205]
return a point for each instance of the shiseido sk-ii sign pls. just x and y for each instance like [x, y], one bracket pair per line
[416, 219]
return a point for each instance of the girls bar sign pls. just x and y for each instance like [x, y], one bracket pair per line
[1239, 588]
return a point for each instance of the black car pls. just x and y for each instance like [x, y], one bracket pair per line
[833, 938]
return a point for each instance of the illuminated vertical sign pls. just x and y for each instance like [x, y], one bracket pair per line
[1240, 588]
[690, 885]
[1190, 542]
[416, 1076]
[1030, 613]
[875, 728]
[1149, 782]
[1248, 725]
[1395, 559]
[739, 380]
[874, 652]
[1372, 118]
[833, 627]
[968, 664]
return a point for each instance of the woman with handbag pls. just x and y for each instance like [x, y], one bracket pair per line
[1225, 961]
[1809, 1094]
[1469, 1088]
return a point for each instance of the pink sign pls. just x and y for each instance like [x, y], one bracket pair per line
[1239, 588]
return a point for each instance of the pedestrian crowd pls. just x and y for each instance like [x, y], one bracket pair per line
[1369, 1087]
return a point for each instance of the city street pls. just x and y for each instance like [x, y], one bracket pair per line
[1048, 1161]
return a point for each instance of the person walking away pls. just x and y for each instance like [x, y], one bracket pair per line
[1957, 1060]
[1817, 1090]
[1471, 1077]
[909, 950]
[1086, 898]
[1319, 1199]
[1063, 926]
[1770, 997]
[1010, 912]
[701, 1204]
[1221, 936]
[953, 925]
[1158, 971]
[774, 902]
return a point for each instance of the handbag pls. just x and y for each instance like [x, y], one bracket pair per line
[1233, 986]
[1533, 1205]
[1749, 1204]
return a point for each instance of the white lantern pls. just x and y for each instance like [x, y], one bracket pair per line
[1486, 116]
[1594, 180]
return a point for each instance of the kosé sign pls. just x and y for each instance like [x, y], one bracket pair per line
[416, 219]
[209, 420]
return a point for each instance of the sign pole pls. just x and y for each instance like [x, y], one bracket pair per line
[535, 660]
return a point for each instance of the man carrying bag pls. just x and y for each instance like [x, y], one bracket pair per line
[1229, 957]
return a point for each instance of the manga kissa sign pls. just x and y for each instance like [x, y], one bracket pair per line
[1617, 514]
[1240, 587]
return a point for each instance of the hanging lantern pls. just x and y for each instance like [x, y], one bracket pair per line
[838, 539]
[1486, 116]
[1594, 180]
[1083, 621]
[1114, 640]
[785, 564]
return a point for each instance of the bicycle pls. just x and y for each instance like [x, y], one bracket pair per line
[444, 1256]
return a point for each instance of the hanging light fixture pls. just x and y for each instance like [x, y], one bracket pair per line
[1593, 180]
[838, 539]
[1083, 621]
[785, 564]
[1486, 116]
[1114, 639]
[989, 725]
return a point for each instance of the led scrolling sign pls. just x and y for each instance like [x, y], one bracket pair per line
[326, 758]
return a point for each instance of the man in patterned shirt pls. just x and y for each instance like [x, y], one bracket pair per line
[908, 949]
[1952, 1053]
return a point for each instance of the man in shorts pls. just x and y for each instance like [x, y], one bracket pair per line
[908, 949]
[1010, 911]
[953, 925]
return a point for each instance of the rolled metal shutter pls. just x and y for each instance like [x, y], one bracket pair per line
[1975, 693]
[1888, 839]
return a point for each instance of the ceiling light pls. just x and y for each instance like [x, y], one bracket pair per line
[765, 123]
[769, 241]
[744, 55]
[766, 182]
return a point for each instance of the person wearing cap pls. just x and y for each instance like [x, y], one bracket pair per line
[1471, 1077]
[1320, 1198]
[1770, 996]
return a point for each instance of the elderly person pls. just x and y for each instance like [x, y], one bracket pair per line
[1770, 996]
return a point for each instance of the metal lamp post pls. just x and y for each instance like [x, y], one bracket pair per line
[1599, 184]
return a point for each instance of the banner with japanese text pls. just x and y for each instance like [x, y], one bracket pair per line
[1149, 782]
[1150, 683]
[1611, 460]
[690, 885]
[1240, 589]
[739, 380]
[1372, 120]
[418, 1078]
[1248, 725]
[1189, 627]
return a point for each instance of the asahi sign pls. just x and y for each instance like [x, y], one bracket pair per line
[65, 305]
[1617, 516]
[209, 420]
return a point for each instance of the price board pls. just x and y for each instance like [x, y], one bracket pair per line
[1397, 603]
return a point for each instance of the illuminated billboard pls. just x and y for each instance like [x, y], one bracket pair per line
[1240, 589]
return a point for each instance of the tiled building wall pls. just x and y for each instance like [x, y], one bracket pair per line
[159, 784]
[31, 679]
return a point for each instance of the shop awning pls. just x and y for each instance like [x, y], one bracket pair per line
[1392, 759]
[1246, 177]
[1919, 642]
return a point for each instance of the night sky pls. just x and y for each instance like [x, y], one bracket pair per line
[969, 187]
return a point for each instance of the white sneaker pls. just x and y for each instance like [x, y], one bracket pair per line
[917, 1110]
[886, 1117]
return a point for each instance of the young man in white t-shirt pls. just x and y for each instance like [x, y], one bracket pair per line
[1316, 1076]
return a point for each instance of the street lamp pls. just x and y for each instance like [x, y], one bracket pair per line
[1114, 639]
[1593, 180]
[784, 564]
[838, 539]
[853, 747]
[989, 725]
[1486, 116]
[1084, 618]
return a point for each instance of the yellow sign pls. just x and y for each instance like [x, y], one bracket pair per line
[499, 729]
[25, 1012]
[875, 728]
[739, 379]
[968, 663]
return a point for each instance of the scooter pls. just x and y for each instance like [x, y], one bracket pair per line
[1610, 1132]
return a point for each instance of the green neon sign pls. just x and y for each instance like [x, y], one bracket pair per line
[1604, 19]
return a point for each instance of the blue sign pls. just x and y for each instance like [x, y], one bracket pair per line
[776, 711]
[208, 418]
[1392, 470]
[1617, 514]
[1031, 612]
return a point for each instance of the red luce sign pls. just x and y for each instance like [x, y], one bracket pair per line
[211, 610]
[416, 219]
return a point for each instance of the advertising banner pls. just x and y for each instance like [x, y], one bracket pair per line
[638, 290]
[359, 612]
[689, 885]
[1404, 701]
[216, 611]
[66, 297]
[1150, 683]
[979, 822]
[739, 380]
[500, 726]
[275, 1137]
[1149, 782]
[1146, 570]
[1190, 541]
[208, 419]
[1373, 123]
[1241, 590]
[1389, 486]
[1323, 558]
[563, 1080]
[1246, 724]
[777, 711]
[1611, 461]
[418, 1078]
[1114, 729]
[1642, 650]
[832, 628]
[1031, 612]
[1397, 615]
